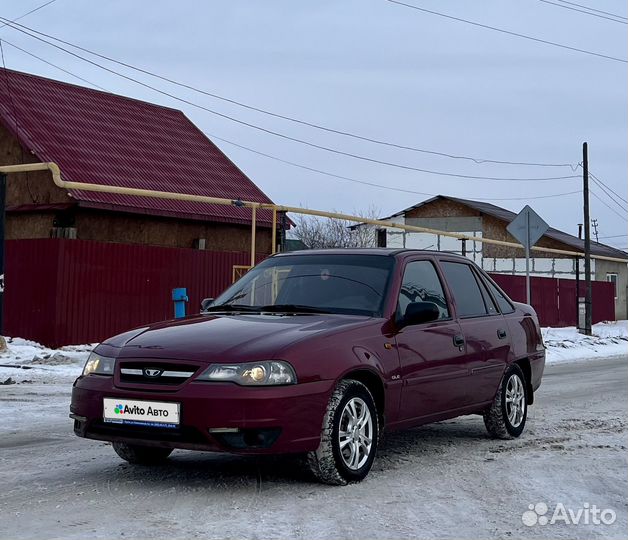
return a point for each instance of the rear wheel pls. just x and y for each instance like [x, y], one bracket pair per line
[141, 455]
[506, 417]
[349, 436]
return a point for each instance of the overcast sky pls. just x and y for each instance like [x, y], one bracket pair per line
[382, 71]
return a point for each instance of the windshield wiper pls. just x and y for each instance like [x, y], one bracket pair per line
[291, 308]
[234, 308]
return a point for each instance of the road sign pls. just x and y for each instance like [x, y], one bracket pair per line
[527, 227]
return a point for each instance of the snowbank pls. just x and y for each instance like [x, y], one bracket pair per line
[27, 361]
[568, 345]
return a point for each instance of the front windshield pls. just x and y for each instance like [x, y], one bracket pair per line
[350, 284]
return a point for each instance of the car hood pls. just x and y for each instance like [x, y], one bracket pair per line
[226, 338]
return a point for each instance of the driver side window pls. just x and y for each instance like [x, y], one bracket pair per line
[421, 284]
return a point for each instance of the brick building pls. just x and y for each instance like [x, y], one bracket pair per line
[482, 219]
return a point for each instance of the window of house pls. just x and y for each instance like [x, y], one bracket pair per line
[613, 279]
[465, 289]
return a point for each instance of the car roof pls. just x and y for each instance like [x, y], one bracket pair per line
[382, 252]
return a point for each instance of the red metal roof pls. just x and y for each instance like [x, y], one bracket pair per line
[103, 138]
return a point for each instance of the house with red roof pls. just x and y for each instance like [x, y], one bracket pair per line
[103, 138]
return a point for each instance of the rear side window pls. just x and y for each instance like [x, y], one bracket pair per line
[465, 289]
[504, 304]
[421, 284]
[488, 301]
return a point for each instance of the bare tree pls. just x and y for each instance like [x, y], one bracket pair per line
[317, 232]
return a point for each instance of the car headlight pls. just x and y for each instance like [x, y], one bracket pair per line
[100, 365]
[266, 373]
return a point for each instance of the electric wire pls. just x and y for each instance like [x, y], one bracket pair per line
[608, 187]
[613, 199]
[355, 180]
[516, 34]
[608, 206]
[292, 119]
[288, 137]
[78, 77]
[593, 9]
[583, 11]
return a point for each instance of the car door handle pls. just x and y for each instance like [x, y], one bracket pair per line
[458, 340]
[501, 333]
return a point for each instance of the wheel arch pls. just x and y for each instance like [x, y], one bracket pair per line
[524, 364]
[374, 383]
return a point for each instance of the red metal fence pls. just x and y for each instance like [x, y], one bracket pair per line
[62, 291]
[555, 299]
[74, 291]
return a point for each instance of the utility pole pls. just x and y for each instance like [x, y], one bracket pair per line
[587, 240]
[594, 223]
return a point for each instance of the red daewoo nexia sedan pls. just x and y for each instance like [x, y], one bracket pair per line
[318, 353]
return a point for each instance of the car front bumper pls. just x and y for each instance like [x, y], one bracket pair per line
[221, 417]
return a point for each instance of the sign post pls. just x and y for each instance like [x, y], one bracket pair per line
[527, 228]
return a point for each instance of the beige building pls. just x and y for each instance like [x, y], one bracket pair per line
[482, 219]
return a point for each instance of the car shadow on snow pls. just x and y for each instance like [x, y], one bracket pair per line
[217, 470]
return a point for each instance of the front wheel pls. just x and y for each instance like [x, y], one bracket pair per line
[141, 455]
[506, 417]
[349, 436]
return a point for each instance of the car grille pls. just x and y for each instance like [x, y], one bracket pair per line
[158, 373]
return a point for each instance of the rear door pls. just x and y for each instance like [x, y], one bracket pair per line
[432, 354]
[484, 328]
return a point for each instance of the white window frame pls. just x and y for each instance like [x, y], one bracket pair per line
[610, 275]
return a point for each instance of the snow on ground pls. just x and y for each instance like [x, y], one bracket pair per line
[568, 345]
[26, 361]
[29, 362]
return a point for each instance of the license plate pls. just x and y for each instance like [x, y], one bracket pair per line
[141, 413]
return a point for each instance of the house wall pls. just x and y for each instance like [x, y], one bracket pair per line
[452, 216]
[27, 188]
[602, 268]
[107, 226]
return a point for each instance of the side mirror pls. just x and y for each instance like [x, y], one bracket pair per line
[205, 303]
[420, 312]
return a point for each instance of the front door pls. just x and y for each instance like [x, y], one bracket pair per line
[432, 355]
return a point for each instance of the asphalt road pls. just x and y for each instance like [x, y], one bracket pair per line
[447, 480]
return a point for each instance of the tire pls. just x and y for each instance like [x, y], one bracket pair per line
[506, 418]
[141, 455]
[331, 464]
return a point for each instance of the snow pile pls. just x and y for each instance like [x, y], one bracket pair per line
[28, 361]
[568, 345]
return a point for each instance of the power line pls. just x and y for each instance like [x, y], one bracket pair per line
[608, 187]
[349, 179]
[367, 182]
[593, 9]
[288, 137]
[31, 11]
[501, 30]
[292, 119]
[607, 206]
[583, 11]
[615, 236]
[622, 208]
[78, 77]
